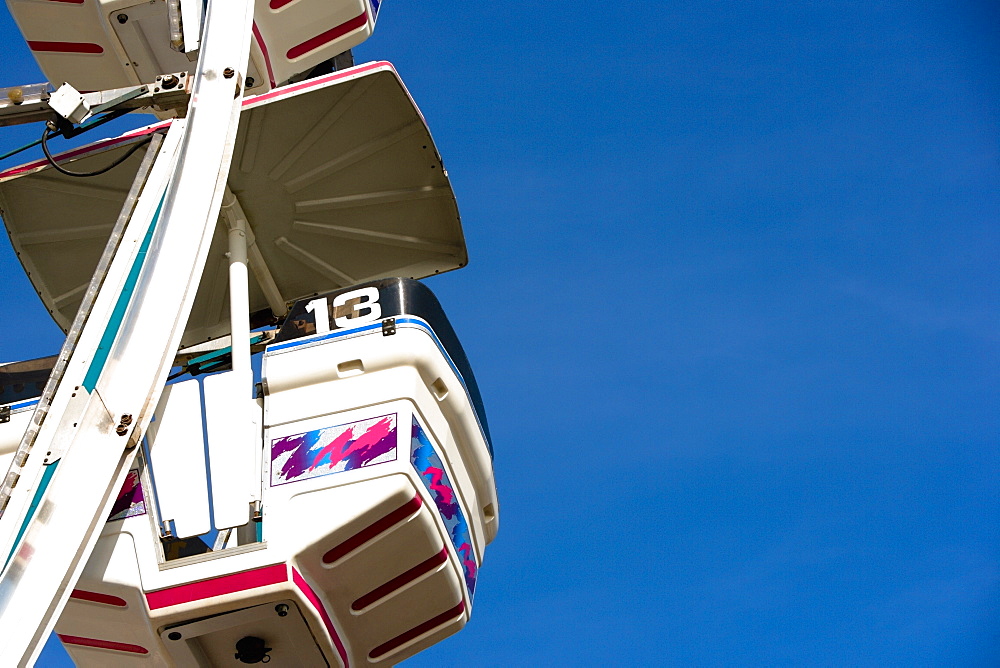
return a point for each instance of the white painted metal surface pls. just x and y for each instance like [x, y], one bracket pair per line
[233, 420]
[128, 367]
[176, 445]
[61, 404]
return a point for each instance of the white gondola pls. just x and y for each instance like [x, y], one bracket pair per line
[106, 44]
[339, 514]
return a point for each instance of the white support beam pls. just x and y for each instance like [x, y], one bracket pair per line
[49, 530]
[234, 215]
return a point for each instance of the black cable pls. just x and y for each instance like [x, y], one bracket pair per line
[51, 127]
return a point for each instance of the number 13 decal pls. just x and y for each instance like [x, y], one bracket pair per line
[349, 308]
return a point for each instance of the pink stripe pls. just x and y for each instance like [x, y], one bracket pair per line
[327, 37]
[263, 51]
[318, 604]
[103, 644]
[317, 82]
[97, 597]
[65, 47]
[227, 584]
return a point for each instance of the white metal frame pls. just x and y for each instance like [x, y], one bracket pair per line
[50, 525]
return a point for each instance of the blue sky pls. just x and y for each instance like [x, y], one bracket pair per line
[733, 306]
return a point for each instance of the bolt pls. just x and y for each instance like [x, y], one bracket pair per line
[122, 18]
[174, 635]
[228, 72]
[250, 82]
[281, 609]
[169, 81]
[126, 420]
[121, 430]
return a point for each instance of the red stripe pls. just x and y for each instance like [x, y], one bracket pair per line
[328, 36]
[227, 584]
[74, 2]
[400, 580]
[263, 51]
[365, 535]
[416, 631]
[97, 597]
[103, 644]
[278, 4]
[304, 587]
[65, 47]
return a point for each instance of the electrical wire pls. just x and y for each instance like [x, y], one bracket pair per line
[50, 127]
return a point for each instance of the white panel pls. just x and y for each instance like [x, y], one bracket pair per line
[177, 457]
[233, 421]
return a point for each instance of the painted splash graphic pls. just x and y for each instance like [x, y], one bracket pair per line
[428, 464]
[329, 450]
[131, 501]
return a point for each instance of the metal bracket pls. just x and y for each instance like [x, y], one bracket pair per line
[388, 327]
[30, 104]
[167, 530]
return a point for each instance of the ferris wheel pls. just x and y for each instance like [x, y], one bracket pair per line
[262, 439]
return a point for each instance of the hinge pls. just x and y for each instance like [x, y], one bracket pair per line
[4, 414]
[167, 530]
[388, 327]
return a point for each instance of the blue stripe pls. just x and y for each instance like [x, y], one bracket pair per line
[332, 335]
[118, 314]
[35, 501]
[378, 325]
[23, 404]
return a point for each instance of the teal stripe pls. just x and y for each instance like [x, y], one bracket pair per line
[39, 493]
[118, 314]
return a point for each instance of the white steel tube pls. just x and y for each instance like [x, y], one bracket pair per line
[239, 298]
[233, 211]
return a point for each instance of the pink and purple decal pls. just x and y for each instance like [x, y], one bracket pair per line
[131, 502]
[428, 464]
[330, 450]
